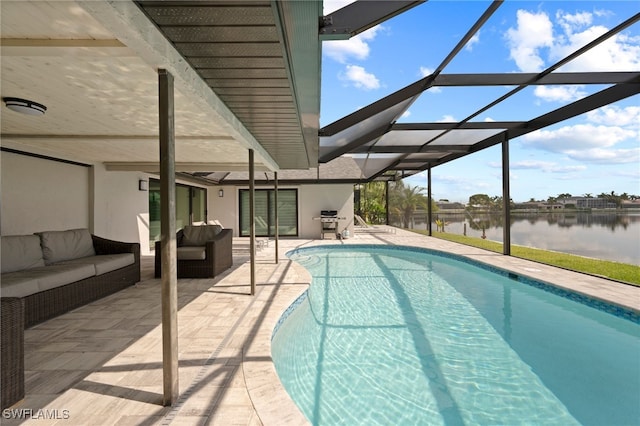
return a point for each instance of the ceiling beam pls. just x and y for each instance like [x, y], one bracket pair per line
[474, 125]
[359, 16]
[512, 79]
[409, 149]
[64, 47]
[15, 136]
[154, 167]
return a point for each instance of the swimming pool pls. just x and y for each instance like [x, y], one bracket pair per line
[391, 336]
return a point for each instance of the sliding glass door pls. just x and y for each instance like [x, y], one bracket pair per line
[265, 212]
[191, 207]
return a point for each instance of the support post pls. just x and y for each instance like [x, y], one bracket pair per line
[252, 222]
[429, 212]
[386, 203]
[506, 198]
[168, 239]
[275, 201]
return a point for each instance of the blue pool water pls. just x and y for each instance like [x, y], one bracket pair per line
[400, 336]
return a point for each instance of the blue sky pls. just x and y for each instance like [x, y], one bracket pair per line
[592, 153]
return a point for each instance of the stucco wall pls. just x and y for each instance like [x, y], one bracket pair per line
[314, 198]
[120, 209]
[39, 195]
[225, 208]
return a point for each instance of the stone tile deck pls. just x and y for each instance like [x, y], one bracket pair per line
[102, 364]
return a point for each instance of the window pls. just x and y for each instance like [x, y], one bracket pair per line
[265, 212]
[191, 207]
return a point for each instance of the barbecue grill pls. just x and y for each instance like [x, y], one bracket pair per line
[329, 223]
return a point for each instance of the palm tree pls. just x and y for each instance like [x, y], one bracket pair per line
[405, 201]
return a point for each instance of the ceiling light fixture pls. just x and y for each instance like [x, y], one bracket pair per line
[24, 106]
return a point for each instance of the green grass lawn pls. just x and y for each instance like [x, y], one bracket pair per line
[605, 268]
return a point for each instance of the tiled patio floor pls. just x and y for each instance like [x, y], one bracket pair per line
[102, 364]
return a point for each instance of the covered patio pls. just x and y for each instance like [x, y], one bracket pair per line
[102, 364]
[247, 87]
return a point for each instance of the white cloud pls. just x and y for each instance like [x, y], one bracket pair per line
[545, 166]
[612, 115]
[531, 164]
[360, 78]
[406, 114]
[475, 39]
[576, 137]
[559, 93]
[447, 119]
[568, 169]
[534, 31]
[619, 53]
[585, 142]
[535, 43]
[355, 48]
[606, 156]
[461, 182]
[425, 71]
[633, 174]
[570, 22]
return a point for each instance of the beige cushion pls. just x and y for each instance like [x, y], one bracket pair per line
[18, 284]
[30, 281]
[58, 246]
[199, 235]
[20, 252]
[104, 263]
[191, 253]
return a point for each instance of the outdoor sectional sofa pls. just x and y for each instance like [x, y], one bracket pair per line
[47, 274]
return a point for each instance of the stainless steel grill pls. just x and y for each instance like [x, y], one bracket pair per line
[329, 222]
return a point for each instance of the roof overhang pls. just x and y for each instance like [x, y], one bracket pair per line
[247, 76]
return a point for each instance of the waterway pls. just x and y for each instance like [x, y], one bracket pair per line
[607, 235]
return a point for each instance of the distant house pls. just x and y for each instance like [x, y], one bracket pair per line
[587, 203]
[446, 205]
[630, 204]
[551, 206]
[529, 205]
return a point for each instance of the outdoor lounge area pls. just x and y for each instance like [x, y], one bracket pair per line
[136, 121]
[101, 364]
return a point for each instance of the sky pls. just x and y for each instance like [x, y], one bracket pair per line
[597, 152]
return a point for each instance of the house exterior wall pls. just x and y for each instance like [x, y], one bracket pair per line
[120, 209]
[225, 208]
[39, 195]
[314, 198]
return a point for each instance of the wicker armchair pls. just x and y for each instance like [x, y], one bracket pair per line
[218, 256]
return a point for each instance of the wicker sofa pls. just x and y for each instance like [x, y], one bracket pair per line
[203, 251]
[50, 273]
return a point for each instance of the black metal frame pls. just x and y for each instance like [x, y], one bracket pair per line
[625, 84]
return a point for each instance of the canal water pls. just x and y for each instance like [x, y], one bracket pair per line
[601, 235]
